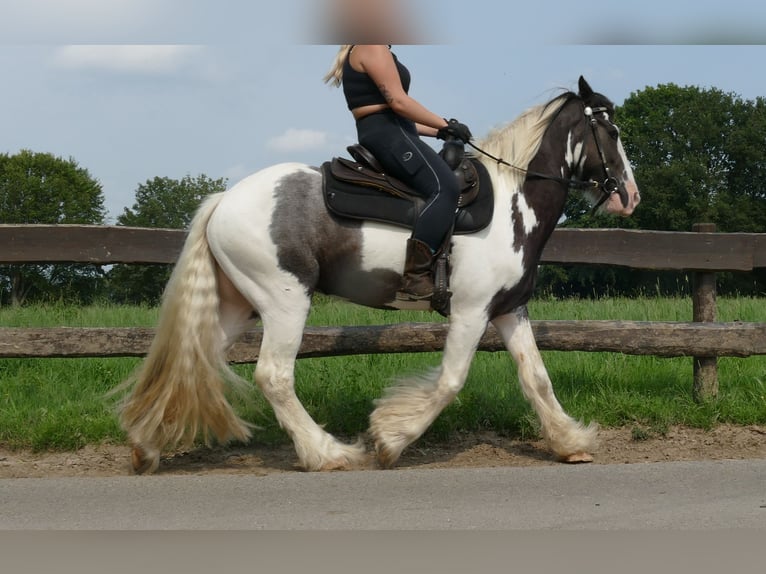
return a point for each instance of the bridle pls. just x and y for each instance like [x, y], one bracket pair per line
[608, 187]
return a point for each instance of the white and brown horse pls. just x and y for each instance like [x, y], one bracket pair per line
[259, 251]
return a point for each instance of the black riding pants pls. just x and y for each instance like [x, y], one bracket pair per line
[395, 143]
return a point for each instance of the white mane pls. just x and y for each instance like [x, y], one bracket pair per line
[518, 141]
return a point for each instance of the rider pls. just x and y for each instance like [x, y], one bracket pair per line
[389, 123]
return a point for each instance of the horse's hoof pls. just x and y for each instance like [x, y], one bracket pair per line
[577, 458]
[333, 466]
[326, 467]
[143, 464]
[355, 462]
[386, 457]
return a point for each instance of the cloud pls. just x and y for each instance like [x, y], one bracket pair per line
[127, 59]
[298, 140]
[58, 22]
[69, 21]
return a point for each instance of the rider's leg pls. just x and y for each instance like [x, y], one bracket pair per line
[395, 142]
[432, 225]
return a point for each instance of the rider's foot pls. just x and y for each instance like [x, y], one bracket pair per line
[417, 282]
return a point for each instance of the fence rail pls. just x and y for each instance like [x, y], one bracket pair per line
[702, 251]
[104, 245]
[664, 339]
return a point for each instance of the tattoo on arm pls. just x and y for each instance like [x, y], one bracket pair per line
[386, 94]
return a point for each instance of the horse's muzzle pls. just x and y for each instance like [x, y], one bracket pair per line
[624, 202]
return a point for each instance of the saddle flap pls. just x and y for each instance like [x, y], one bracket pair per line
[356, 173]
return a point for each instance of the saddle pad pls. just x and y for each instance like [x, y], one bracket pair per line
[364, 202]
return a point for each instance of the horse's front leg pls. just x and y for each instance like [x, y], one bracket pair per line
[569, 439]
[408, 408]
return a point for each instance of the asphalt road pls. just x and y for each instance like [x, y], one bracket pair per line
[696, 496]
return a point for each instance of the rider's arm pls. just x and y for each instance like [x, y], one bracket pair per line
[378, 63]
[426, 130]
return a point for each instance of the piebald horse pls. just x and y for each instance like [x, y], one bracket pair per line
[261, 249]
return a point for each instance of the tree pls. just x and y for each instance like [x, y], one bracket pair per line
[679, 139]
[743, 205]
[699, 155]
[38, 188]
[160, 203]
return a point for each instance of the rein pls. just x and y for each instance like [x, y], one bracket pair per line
[608, 187]
[572, 183]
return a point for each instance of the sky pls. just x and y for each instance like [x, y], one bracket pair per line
[137, 89]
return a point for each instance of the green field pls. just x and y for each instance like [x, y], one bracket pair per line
[60, 404]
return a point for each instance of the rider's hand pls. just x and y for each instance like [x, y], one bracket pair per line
[455, 129]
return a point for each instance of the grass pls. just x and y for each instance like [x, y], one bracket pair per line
[59, 403]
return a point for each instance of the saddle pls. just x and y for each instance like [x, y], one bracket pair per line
[361, 190]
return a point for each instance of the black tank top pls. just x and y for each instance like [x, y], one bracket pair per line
[360, 89]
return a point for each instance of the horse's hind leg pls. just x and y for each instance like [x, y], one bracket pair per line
[569, 439]
[274, 375]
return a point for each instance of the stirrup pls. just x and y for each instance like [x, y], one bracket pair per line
[407, 296]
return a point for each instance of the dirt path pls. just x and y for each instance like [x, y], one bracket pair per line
[618, 446]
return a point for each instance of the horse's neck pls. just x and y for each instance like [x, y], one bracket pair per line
[562, 145]
[560, 150]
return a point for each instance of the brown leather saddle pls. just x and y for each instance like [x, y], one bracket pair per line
[361, 190]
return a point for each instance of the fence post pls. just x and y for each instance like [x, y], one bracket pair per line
[704, 311]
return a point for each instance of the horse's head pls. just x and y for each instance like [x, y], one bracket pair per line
[604, 162]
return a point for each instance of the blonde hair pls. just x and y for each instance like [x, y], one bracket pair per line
[335, 75]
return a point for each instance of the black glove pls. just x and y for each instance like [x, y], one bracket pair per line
[455, 129]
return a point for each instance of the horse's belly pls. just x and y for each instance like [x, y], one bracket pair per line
[383, 247]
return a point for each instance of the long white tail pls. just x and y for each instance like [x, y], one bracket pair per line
[179, 390]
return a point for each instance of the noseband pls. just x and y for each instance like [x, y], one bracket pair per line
[608, 187]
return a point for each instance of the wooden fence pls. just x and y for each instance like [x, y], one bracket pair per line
[702, 251]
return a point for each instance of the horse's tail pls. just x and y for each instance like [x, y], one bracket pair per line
[179, 390]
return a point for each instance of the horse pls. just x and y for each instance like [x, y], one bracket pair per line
[259, 251]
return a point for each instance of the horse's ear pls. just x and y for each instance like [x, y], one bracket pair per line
[585, 89]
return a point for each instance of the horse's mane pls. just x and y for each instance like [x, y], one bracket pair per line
[518, 141]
